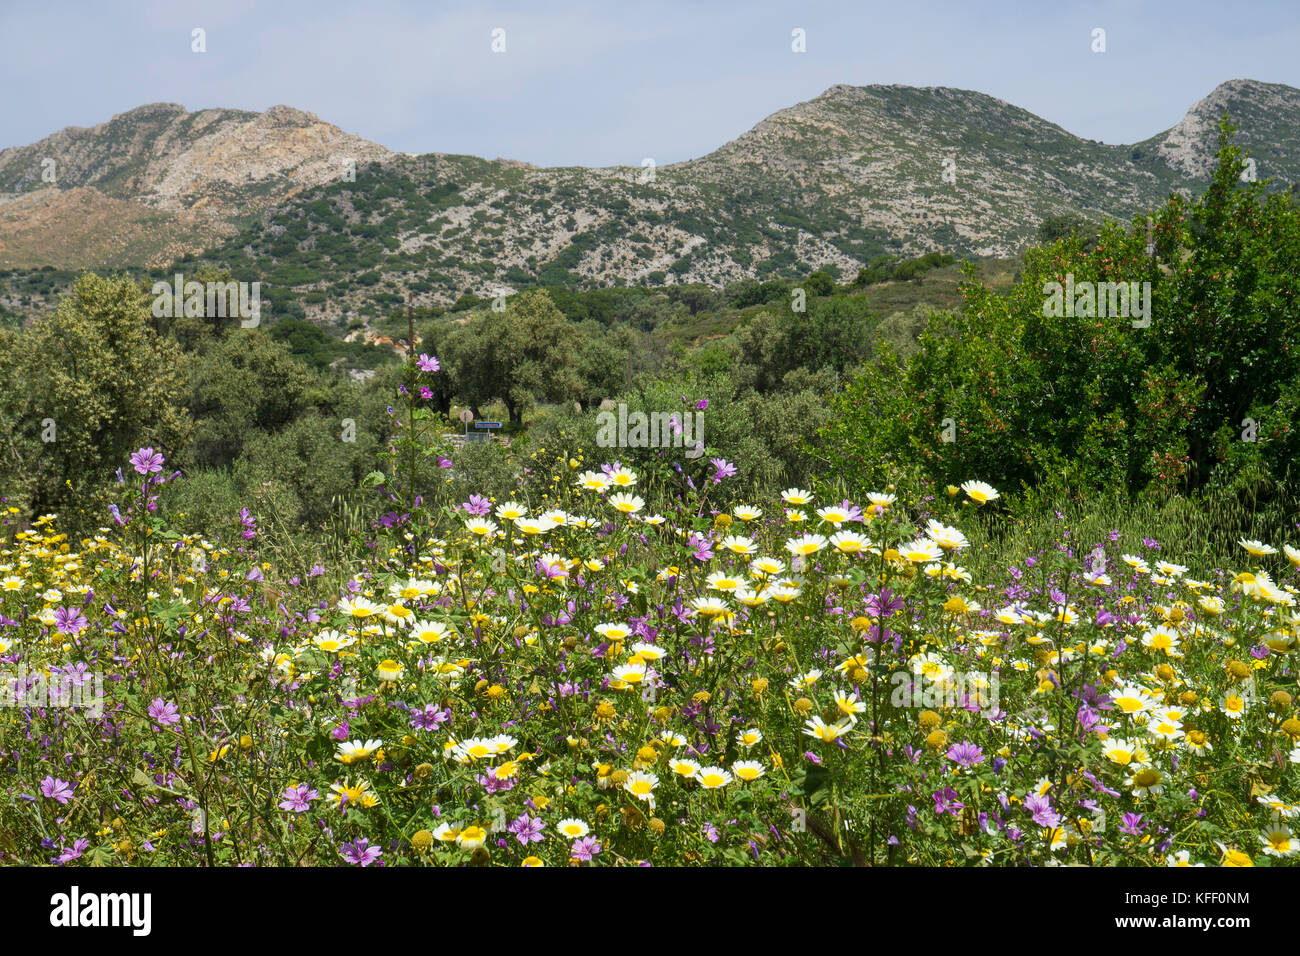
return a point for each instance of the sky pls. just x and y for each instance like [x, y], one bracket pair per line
[614, 82]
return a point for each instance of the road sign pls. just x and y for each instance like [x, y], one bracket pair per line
[487, 424]
[466, 416]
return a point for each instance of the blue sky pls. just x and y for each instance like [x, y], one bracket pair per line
[599, 84]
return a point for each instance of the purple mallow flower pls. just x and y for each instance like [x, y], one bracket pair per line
[360, 852]
[965, 754]
[527, 829]
[298, 799]
[69, 620]
[146, 461]
[1040, 808]
[164, 712]
[56, 789]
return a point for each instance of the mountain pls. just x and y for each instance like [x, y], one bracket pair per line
[831, 183]
[156, 182]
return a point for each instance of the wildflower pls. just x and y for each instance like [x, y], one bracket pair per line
[641, 785]
[1235, 857]
[147, 461]
[584, 849]
[1257, 549]
[710, 606]
[69, 620]
[848, 542]
[1132, 700]
[360, 852]
[427, 363]
[358, 793]
[920, 551]
[806, 545]
[511, 510]
[1132, 824]
[747, 770]
[56, 789]
[164, 713]
[738, 544]
[965, 755]
[633, 672]
[1234, 706]
[1040, 808]
[796, 496]
[950, 539]
[356, 750]
[980, 492]
[1162, 638]
[713, 778]
[626, 503]
[1146, 781]
[298, 798]
[388, 670]
[826, 733]
[572, 828]
[684, 767]
[593, 481]
[527, 829]
[832, 515]
[471, 838]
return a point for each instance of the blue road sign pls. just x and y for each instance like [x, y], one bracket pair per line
[487, 424]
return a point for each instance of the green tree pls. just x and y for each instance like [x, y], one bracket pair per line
[522, 355]
[99, 383]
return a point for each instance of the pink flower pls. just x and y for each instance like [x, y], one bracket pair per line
[146, 460]
[360, 852]
[56, 789]
[163, 712]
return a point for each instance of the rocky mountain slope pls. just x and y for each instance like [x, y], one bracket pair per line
[158, 181]
[830, 183]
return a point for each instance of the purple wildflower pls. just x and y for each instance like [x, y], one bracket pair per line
[164, 712]
[477, 505]
[69, 620]
[56, 789]
[298, 799]
[527, 829]
[965, 754]
[146, 460]
[360, 852]
[429, 718]
[945, 801]
[1133, 824]
[1040, 808]
[725, 469]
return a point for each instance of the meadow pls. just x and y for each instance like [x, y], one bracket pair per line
[1022, 593]
[581, 681]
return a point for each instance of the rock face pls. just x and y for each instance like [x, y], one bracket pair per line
[1268, 113]
[836, 181]
[190, 176]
